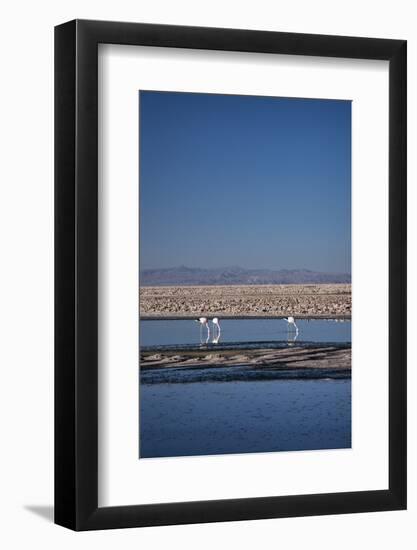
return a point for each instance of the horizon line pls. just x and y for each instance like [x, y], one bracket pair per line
[183, 266]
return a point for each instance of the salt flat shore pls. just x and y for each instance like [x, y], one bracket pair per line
[320, 357]
[329, 301]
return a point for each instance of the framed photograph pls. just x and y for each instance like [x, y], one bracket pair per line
[230, 245]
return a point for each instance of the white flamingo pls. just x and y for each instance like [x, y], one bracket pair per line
[203, 322]
[291, 321]
[216, 323]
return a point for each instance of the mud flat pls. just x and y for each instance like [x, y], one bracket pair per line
[329, 301]
[325, 358]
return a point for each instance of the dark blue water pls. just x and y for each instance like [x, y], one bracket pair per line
[187, 332]
[242, 409]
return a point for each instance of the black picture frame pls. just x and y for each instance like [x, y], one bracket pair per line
[76, 272]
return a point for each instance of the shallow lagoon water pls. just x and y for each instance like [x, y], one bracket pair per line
[213, 410]
[211, 418]
[162, 333]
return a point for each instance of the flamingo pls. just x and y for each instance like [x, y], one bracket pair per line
[216, 323]
[203, 322]
[291, 321]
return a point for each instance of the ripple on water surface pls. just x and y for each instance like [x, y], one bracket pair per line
[244, 417]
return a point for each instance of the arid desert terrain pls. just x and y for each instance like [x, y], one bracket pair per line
[234, 301]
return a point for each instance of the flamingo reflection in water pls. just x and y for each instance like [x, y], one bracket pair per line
[292, 338]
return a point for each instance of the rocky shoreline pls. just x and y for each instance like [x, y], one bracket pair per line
[296, 357]
[234, 301]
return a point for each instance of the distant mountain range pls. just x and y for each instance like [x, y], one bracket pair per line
[194, 276]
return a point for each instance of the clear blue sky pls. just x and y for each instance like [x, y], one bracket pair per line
[257, 182]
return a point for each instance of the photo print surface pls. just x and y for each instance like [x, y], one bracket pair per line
[245, 274]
